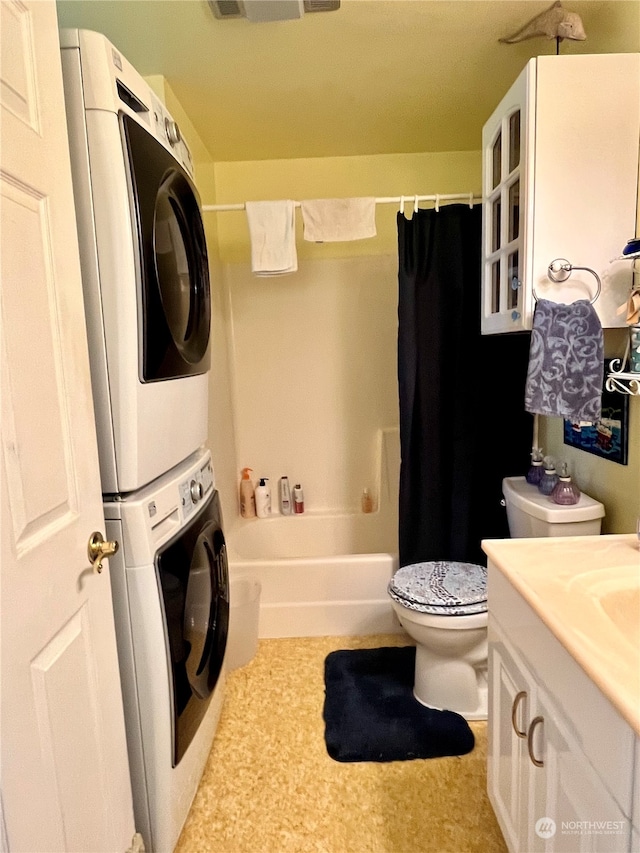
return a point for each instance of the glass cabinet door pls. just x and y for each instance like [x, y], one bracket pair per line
[504, 184]
[502, 249]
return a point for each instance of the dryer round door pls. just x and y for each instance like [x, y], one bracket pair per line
[174, 287]
[206, 615]
[194, 582]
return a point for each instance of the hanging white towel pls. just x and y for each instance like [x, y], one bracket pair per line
[332, 220]
[272, 228]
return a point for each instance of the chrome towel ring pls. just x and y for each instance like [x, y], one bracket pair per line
[560, 270]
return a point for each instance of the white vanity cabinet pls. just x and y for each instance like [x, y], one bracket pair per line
[560, 761]
[560, 165]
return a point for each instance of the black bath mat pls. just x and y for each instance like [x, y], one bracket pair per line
[370, 712]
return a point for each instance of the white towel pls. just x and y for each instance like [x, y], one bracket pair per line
[331, 220]
[272, 227]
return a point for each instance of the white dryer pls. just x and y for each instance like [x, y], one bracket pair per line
[144, 265]
[170, 588]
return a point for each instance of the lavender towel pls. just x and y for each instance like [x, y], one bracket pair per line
[566, 361]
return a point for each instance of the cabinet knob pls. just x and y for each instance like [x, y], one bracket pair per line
[514, 710]
[534, 724]
[515, 315]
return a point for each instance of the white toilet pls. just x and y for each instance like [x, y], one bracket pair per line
[443, 605]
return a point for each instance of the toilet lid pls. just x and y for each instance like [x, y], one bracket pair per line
[443, 588]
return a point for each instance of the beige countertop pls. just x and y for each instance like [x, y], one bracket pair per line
[586, 589]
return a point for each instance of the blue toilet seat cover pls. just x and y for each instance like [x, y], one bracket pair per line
[442, 588]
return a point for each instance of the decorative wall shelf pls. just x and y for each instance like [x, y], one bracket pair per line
[619, 380]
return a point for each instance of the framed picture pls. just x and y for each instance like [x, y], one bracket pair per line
[609, 437]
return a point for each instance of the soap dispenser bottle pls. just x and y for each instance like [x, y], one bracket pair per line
[247, 496]
[565, 491]
[263, 498]
[536, 470]
[549, 478]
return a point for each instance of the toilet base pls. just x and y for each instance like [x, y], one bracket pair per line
[451, 686]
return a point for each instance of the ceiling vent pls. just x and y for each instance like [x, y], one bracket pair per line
[270, 10]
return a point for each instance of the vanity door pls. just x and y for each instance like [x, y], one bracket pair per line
[510, 704]
[586, 817]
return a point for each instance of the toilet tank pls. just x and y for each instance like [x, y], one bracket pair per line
[532, 514]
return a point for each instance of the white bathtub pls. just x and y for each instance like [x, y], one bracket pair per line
[325, 573]
[314, 583]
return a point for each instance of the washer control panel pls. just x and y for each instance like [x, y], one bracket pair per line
[196, 488]
[168, 132]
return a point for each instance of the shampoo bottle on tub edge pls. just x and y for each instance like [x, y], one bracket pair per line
[263, 498]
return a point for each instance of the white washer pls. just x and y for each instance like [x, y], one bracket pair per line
[144, 265]
[171, 603]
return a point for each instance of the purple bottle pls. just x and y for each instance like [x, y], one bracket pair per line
[536, 470]
[549, 477]
[565, 491]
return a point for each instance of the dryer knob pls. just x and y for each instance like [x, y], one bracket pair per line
[196, 491]
[173, 131]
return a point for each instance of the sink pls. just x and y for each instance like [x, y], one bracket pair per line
[615, 593]
[622, 606]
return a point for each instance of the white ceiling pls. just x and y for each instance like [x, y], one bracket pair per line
[374, 77]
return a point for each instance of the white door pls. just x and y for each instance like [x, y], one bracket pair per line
[65, 777]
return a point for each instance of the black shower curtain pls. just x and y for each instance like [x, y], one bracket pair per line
[462, 421]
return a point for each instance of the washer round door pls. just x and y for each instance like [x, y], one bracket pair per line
[175, 298]
[194, 579]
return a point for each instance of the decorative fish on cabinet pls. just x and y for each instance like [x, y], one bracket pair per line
[555, 23]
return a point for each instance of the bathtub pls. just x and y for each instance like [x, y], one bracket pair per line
[320, 575]
[326, 573]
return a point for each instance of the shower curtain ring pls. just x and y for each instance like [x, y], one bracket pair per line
[402, 205]
[470, 201]
[415, 204]
[437, 203]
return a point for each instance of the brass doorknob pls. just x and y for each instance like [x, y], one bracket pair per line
[98, 549]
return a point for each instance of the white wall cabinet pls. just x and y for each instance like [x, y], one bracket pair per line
[560, 762]
[560, 165]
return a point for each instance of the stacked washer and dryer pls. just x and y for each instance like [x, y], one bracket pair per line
[147, 304]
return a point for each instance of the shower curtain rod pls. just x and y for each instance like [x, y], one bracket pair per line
[470, 198]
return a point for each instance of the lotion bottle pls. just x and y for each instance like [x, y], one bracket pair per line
[263, 498]
[285, 496]
[247, 496]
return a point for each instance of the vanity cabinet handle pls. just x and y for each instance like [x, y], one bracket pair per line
[534, 723]
[514, 710]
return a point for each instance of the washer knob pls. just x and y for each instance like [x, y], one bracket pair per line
[173, 131]
[196, 491]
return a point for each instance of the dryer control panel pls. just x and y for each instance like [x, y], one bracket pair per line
[196, 488]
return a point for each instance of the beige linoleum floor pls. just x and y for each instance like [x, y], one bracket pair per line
[270, 787]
